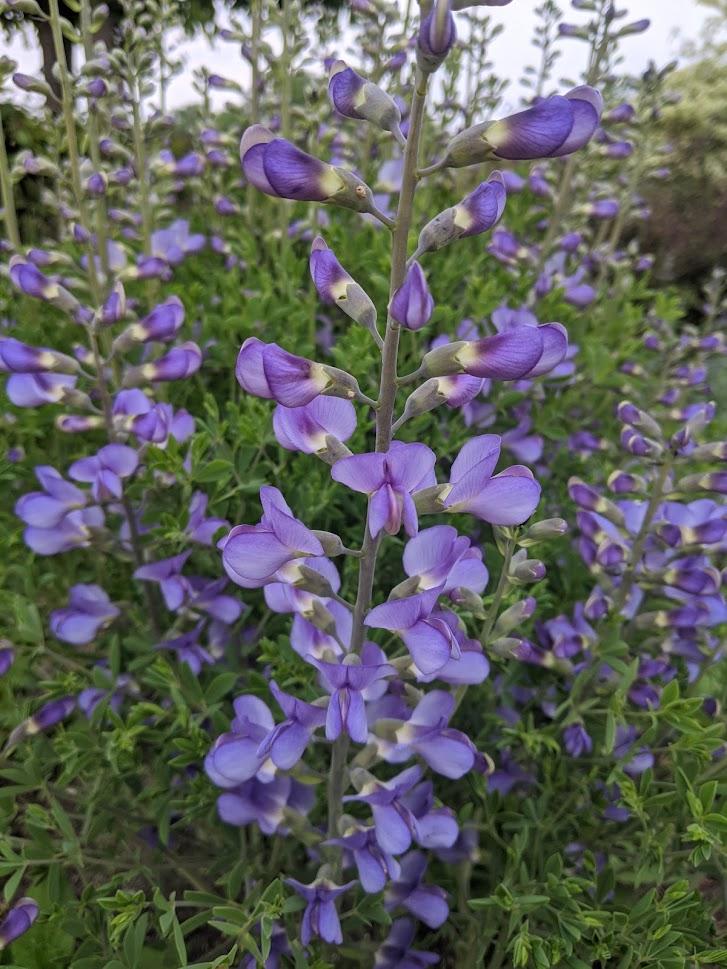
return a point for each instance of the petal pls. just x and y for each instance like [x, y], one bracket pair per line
[392, 831]
[403, 613]
[360, 472]
[249, 369]
[449, 754]
[555, 347]
[507, 499]
[429, 647]
[252, 556]
[293, 174]
[289, 746]
[409, 464]
[482, 452]
[536, 132]
[429, 905]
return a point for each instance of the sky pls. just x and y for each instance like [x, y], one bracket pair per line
[672, 23]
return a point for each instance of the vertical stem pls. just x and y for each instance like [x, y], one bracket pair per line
[8, 197]
[100, 204]
[72, 140]
[141, 169]
[256, 13]
[384, 416]
[502, 585]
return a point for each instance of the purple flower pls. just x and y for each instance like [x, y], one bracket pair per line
[430, 639]
[412, 304]
[476, 213]
[276, 167]
[396, 952]
[446, 751]
[52, 713]
[34, 389]
[47, 508]
[428, 903]
[175, 242]
[180, 362]
[17, 357]
[507, 498]
[89, 610]
[440, 557]
[253, 555]
[389, 480]
[355, 97]
[187, 649]
[316, 428]
[286, 743]
[394, 823]
[235, 757]
[347, 683]
[7, 657]
[106, 470]
[199, 528]
[320, 918]
[265, 803]
[374, 866]
[268, 371]
[553, 127]
[436, 35]
[336, 287]
[167, 573]
[576, 740]
[160, 325]
[18, 920]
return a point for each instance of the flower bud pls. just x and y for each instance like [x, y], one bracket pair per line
[628, 413]
[182, 361]
[412, 304]
[587, 497]
[78, 423]
[355, 97]
[160, 325]
[624, 482]
[436, 36]
[17, 357]
[714, 449]
[114, 308]
[515, 615]
[711, 481]
[18, 919]
[28, 83]
[476, 213]
[643, 447]
[524, 571]
[335, 286]
[543, 531]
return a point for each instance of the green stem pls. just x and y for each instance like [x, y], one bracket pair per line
[8, 197]
[141, 169]
[502, 585]
[93, 139]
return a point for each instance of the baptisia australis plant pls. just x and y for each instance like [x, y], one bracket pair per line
[372, 706]
[110, 386]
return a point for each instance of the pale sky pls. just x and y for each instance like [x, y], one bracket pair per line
[672, 23]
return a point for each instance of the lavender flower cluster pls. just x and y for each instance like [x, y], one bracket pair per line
[372, 698]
